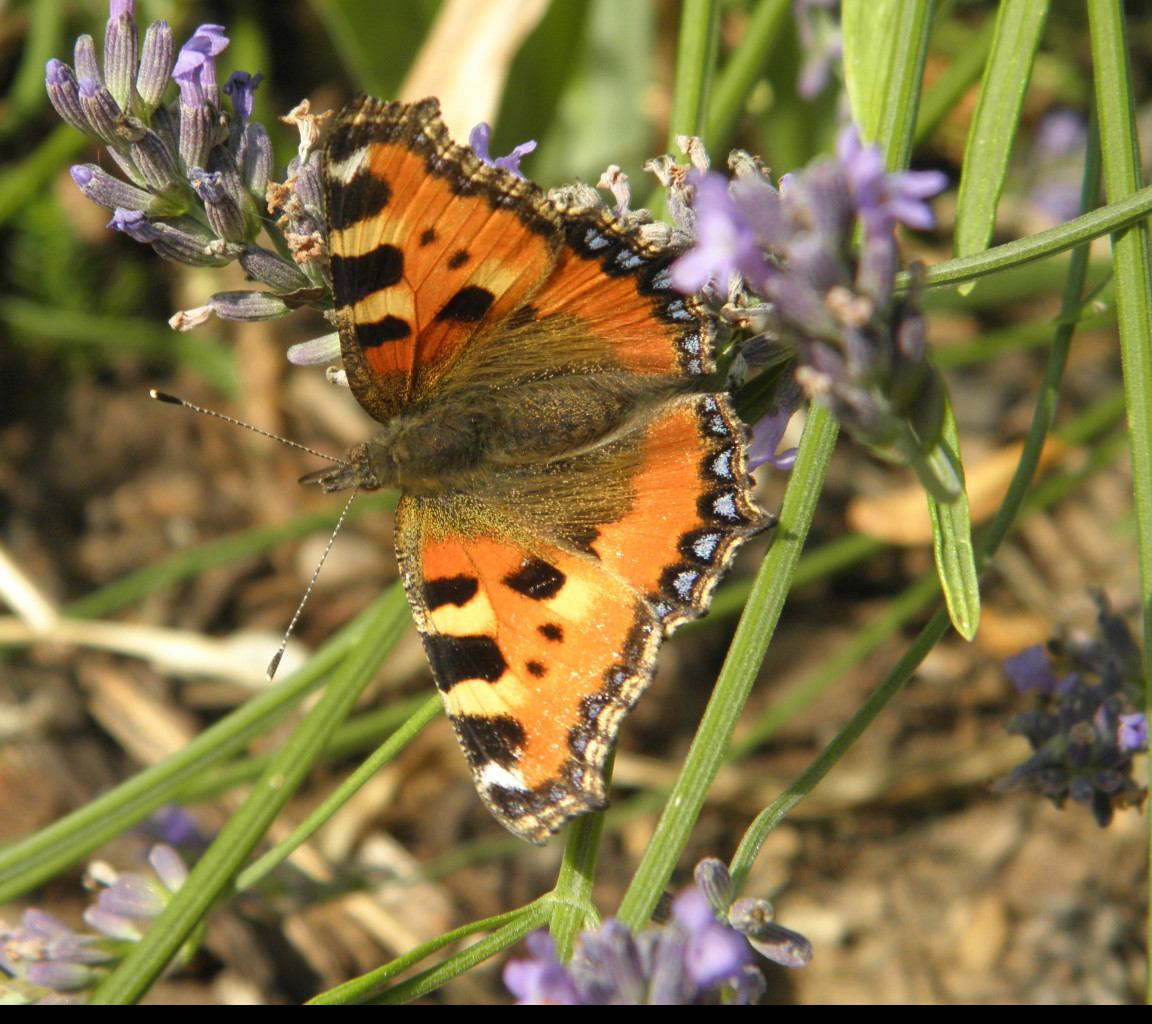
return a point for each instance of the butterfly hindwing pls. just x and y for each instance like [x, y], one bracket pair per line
[537, 653]
[539, 642]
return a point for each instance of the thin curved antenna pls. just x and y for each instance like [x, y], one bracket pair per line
[162, 396]
[275, 662]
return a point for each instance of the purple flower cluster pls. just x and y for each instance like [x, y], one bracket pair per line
[781, 264]
[701, 956]
[1084, 733]
[45, 962]
[198, 177]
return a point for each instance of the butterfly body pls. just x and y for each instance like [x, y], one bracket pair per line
[571, 488]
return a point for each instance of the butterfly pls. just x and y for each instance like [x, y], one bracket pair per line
[571, 488]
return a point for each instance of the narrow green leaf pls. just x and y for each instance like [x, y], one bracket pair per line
[952, 538]
[1019, 25]
[870, 29]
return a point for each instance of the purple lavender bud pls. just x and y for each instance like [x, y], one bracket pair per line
[479, 138]
[257, 159]
[134, 224]
[197, 128]
[822, 200]
[224, 215]
[84, 59]
[876, 269]
[156, 61]
[169, 868]
[108, 191]
[64, 95]
[115, 926]
[165, 123]
[241, 88]
[755, 920]
[316, 352]
[249, 306]
[763, 208]
[184, 240]
[309, 188]
[713, 880]
[155, 162]
[61, 977]
[121, 49]
[195, 70]
[271, 269]
[800, 306]
[101, 110]
[116, 8]
[132, 896]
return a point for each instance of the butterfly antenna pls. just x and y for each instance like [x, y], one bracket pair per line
[274, 664]
[162, 396]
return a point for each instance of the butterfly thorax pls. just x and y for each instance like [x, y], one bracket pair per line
[465, 440]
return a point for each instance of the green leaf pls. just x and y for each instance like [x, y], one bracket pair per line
[1019, 26]
[952, 537]
[870, 28]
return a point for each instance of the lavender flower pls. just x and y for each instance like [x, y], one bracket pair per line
[725, 241]
[700, 956]
[198, 174]
[779, 264]
[43, 961]
[821, 42]
[1084, 733]
[479, 138]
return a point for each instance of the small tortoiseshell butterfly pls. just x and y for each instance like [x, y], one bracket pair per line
[571, 491]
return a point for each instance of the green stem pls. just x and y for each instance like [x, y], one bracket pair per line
[1133, 268]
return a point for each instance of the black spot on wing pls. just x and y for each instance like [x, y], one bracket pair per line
[353, 277]
[490, 740]
[428, 236]
[468, 305]
[457, 659]
[457, 590]
[536, 579]
[382, 332]
[535, 669]
[551, 631]
[458, 259]
[363, 197]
